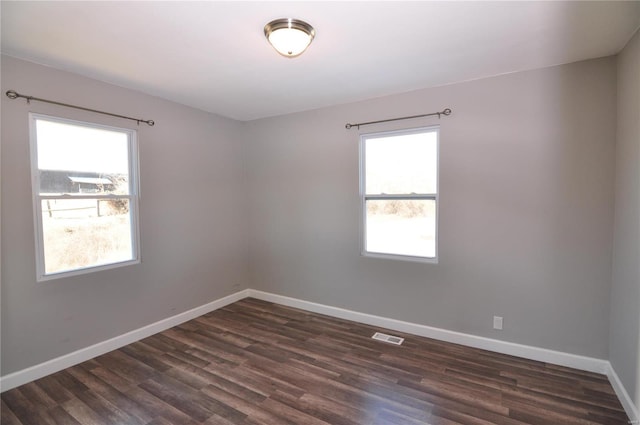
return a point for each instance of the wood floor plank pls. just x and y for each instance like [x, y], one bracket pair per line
[179, 396]
[259, 363]
[27, 413]
[291, 414]
[7, 417]
[37, 396]
[61, 417]
[158, 408]
[109, 412]
[314, 410]
[54, 389]
[251, 411]
[110, 394]
[83, 413]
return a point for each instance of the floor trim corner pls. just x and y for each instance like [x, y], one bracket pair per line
[625, 399]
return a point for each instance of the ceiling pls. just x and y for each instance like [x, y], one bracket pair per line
[214, 56]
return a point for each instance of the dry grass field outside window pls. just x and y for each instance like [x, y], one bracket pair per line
[83, 233]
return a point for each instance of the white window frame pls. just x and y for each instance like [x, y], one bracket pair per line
[410, 196]
[133, 198]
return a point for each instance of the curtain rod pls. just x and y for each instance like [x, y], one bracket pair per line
[446, 112]
[12, 94]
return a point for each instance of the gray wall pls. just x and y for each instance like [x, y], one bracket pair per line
[526, 208]
[194, 244]
[624, 349]
[526, 213]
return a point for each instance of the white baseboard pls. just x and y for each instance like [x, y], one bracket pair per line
[625, 399]
[55, 365]
[525, 351]
[533, 353]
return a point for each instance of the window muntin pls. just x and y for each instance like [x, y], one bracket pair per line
[85, 196]
[399, 194]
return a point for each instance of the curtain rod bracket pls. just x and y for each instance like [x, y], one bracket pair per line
[12, 94]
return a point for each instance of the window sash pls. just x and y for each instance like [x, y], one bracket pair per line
[402, 231]
[364, 196]
[132, 197]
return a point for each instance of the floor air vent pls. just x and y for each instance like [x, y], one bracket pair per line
[388, 338]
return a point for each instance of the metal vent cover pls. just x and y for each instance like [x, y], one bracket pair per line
[391, 339]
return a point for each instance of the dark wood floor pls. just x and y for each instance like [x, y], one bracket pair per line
[255, 362]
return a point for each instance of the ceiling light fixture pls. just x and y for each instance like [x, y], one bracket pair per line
[290, 37]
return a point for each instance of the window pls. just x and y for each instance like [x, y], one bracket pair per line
[399, 194]
[85, 196]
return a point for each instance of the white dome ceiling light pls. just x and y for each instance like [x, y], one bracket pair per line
[290, 37]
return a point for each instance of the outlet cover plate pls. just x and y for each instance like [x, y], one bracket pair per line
[497, 322]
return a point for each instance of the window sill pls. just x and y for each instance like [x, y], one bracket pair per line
[86, 270]
[398, 257]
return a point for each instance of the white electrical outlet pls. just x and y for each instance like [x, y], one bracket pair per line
[497, 322]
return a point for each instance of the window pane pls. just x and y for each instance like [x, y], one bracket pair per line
[401, 227]
[80, 233]
[76, 159]
[401, 164]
